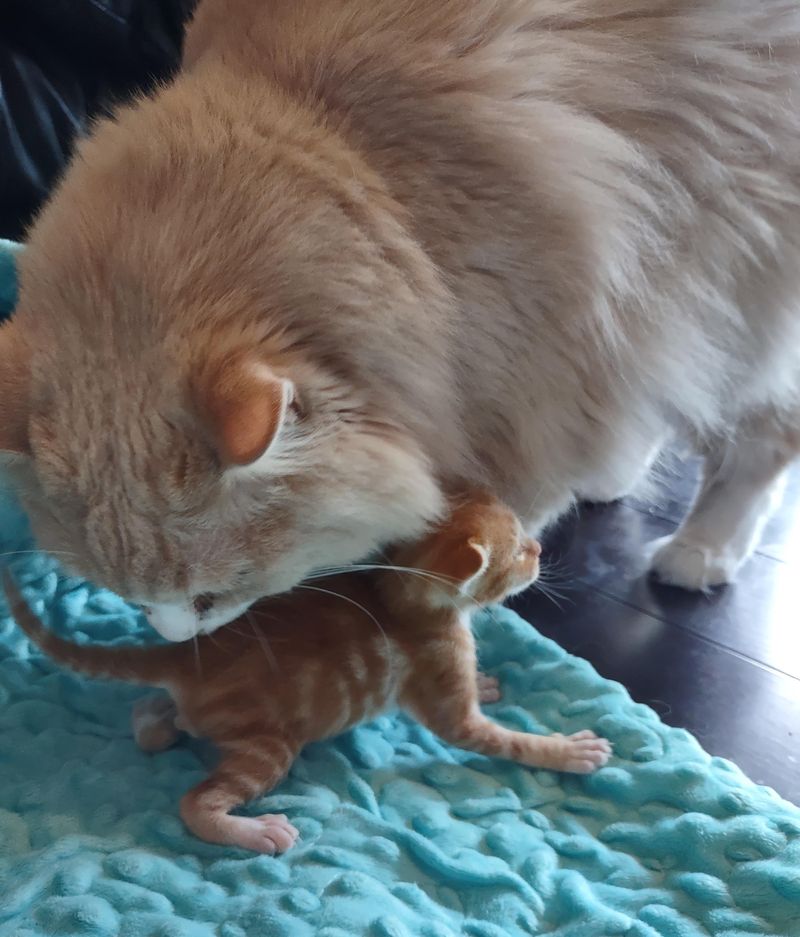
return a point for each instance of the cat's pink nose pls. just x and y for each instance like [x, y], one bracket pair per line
[535, 548]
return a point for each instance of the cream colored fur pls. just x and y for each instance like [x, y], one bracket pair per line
[513, 241]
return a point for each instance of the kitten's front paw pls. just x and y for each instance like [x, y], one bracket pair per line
[270, 833]
[695, 566]
[583, 753]
[488, 688]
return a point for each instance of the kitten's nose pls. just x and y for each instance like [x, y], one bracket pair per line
[536, 548]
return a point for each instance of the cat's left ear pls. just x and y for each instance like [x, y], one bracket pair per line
[243, 405]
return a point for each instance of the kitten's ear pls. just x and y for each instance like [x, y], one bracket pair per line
[14, 390]
[243, 405]
[461, 561]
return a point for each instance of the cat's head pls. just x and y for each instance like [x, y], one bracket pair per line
[194, 487]
[479, 555]
[225, 370]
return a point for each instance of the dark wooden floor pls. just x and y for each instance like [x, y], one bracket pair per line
[726, 665]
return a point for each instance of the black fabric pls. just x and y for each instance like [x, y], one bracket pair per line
[61, 62]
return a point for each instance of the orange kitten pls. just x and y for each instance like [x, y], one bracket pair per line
[309, 665]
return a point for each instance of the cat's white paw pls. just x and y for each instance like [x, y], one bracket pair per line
[583, 753]
[270, 833]
[695, 566]
[488, 689]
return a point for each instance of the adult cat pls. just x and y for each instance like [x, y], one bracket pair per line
[360, 248]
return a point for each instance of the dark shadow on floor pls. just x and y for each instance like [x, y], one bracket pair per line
[725, 666]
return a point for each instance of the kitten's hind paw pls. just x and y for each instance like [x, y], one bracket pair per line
[488, 688]
[583, 753]
[270, 834]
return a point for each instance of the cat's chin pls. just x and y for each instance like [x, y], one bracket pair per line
[180, 622]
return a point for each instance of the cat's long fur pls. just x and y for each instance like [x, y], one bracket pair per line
[517, 241]
[309, 665]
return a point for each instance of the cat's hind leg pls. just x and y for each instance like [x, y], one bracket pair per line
[741, 485]
[246, 770]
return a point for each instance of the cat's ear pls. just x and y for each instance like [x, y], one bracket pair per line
[14, 390]
[243, 405]
[460, 562]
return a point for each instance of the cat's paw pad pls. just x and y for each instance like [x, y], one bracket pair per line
[583, 753]
[694, 566]
[488, 688]
[269, 834]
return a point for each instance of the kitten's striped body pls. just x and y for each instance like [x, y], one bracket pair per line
[308, 665]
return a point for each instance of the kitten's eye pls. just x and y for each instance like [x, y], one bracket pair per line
[531, 549]
[203, 603]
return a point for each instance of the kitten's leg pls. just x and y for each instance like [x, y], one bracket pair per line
[153, 721]
[245, 771]
[445, 699]
[580, 753]
[742, 483]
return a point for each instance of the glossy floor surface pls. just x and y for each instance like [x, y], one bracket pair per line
[725, 665]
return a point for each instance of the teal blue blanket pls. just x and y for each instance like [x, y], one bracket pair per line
[402, 836]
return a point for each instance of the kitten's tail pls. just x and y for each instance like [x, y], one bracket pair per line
[150, 666]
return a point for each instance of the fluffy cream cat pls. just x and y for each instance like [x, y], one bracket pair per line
[362, 248]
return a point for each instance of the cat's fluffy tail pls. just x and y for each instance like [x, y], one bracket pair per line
[146, 665]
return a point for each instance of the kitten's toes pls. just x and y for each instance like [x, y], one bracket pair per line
[270, 834]
[584, 752]
[488, 688]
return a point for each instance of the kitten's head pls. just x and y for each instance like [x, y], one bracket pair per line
[479, 555]
[195, 488]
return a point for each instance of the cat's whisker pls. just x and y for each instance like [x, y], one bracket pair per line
[367, 567]
[196, 651]
[262, 641]
[533, 503]
[11, 553]
[423, 574]
[212, 639]
[352, 601]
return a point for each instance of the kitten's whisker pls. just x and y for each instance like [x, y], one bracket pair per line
[551, 594]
